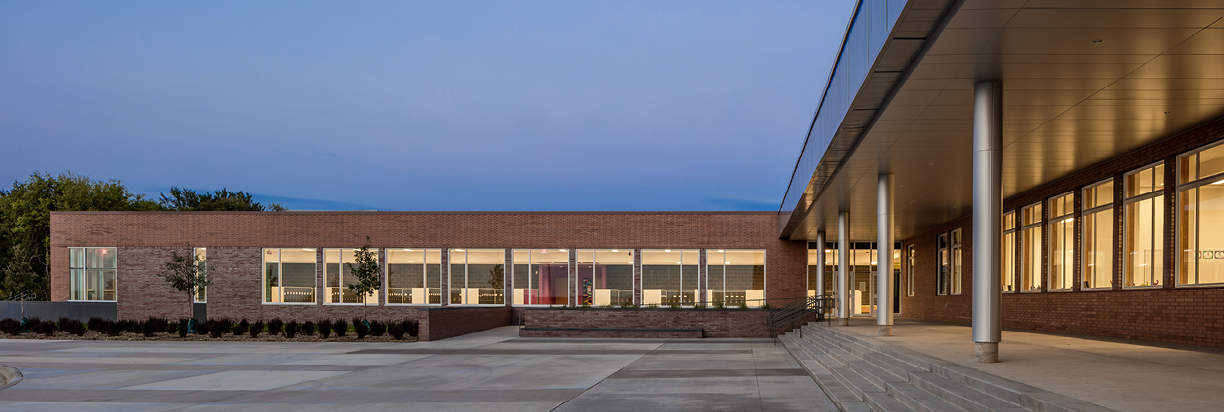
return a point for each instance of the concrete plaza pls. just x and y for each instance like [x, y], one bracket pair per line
[491, 370]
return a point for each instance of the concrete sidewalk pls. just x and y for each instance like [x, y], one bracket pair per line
[493, 370]
[1125, 376]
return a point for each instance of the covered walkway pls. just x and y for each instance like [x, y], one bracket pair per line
[1126, 376]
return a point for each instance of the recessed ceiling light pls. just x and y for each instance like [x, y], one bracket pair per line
[458, 250]
[666, 250]
[1097, 42]
[615, 250]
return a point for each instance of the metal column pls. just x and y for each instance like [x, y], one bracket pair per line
[884, 255]
[843, 268]
[987, 207]
[820, 264]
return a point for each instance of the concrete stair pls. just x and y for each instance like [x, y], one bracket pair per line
[863, 375]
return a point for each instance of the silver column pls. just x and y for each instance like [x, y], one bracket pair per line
[987, 206]
[843, 268]
[884, 255]
[820, 264]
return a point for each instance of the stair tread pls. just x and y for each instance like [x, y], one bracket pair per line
[962, 395]
[883, 402]
[855, 381]
[919, 399]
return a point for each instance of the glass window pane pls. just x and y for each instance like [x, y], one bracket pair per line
[406, 276]
[1211, 161]
[745, 277]
[433, 275]
[716, 288]
[297, 269]
[613, 277]
[1008, 260]
[486, 277]
[1144, 254]
[76, 257]
[584, 280]
[661, 277]
[1098, 250]
[271, 292]
[1211, 242]
[331, 276]
[526, 290]
[1030, 264]
[201, 256]
[688, 277]
[1062, 247]
[457, 275]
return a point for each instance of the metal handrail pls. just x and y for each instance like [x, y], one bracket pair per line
[790, 314]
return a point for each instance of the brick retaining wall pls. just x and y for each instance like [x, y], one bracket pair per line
[731, 323]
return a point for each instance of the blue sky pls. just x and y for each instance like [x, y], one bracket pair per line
[399, 105]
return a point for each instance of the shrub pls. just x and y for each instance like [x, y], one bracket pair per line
[378, 328]
[340, 327]
[156, 324]
[10, 326]
[47, 328]
[112, 328]
[361, 327]
[240, 328]
[202, 327]
[32, 324]
[149, 327]
[74, 327]
[412, 327]
[256, 328]
[275, 326]
[97, 324]
[183, 325]
[396, 330]
[291, 329]
[171, 327]
[217, 328]
[325, 328]
[308, 328]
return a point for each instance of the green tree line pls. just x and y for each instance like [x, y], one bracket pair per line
[25, 219]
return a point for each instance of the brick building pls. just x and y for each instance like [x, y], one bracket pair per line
[1087, 133]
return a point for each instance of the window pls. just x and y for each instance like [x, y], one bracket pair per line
[541, 276]
[1008, 256]
[1030, 248]
[92, 272]
[605, 277]
[414, 276]
[1200, 205]
[735, 277]
[477, 276]
[338, 275]
[944, 264]
[1143, 232]
[1097, 272]
[909, 270]
[1062, 242]
[958, 262]
[289, 275]
[830, 270]
[669, 277]
[201, 256]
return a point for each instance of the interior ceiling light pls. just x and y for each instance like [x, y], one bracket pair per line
[1097, 42]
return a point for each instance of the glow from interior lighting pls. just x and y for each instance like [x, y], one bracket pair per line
[458, 250]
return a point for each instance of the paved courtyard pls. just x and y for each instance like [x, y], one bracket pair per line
[491, 370]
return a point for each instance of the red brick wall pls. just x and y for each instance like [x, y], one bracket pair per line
[234, 241]
[442, 323]
[714, 323]
[1175, 315]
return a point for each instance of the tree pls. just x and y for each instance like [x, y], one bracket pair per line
[186, 273]
[184, 200]
[25, 223]
[366, 271]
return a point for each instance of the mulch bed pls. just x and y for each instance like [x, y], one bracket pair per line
[172, 337]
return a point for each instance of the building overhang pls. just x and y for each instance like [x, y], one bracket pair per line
[1083, 81]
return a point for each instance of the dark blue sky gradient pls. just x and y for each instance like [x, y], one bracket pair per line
[483, 105]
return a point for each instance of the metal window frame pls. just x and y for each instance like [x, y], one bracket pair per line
[1126, 201]
[1194, 184]
[1049, 246]
[466, 255]
[1014, 229]
[569, 271]
[424, 275]
[84, 259]
[263, 276]
[764, 272]
[1022, 228]
[1085, 214]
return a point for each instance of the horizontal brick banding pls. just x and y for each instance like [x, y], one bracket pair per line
[712, 322]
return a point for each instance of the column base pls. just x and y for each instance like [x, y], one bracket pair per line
[843, 321]
[986, 352]
[885, 330]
